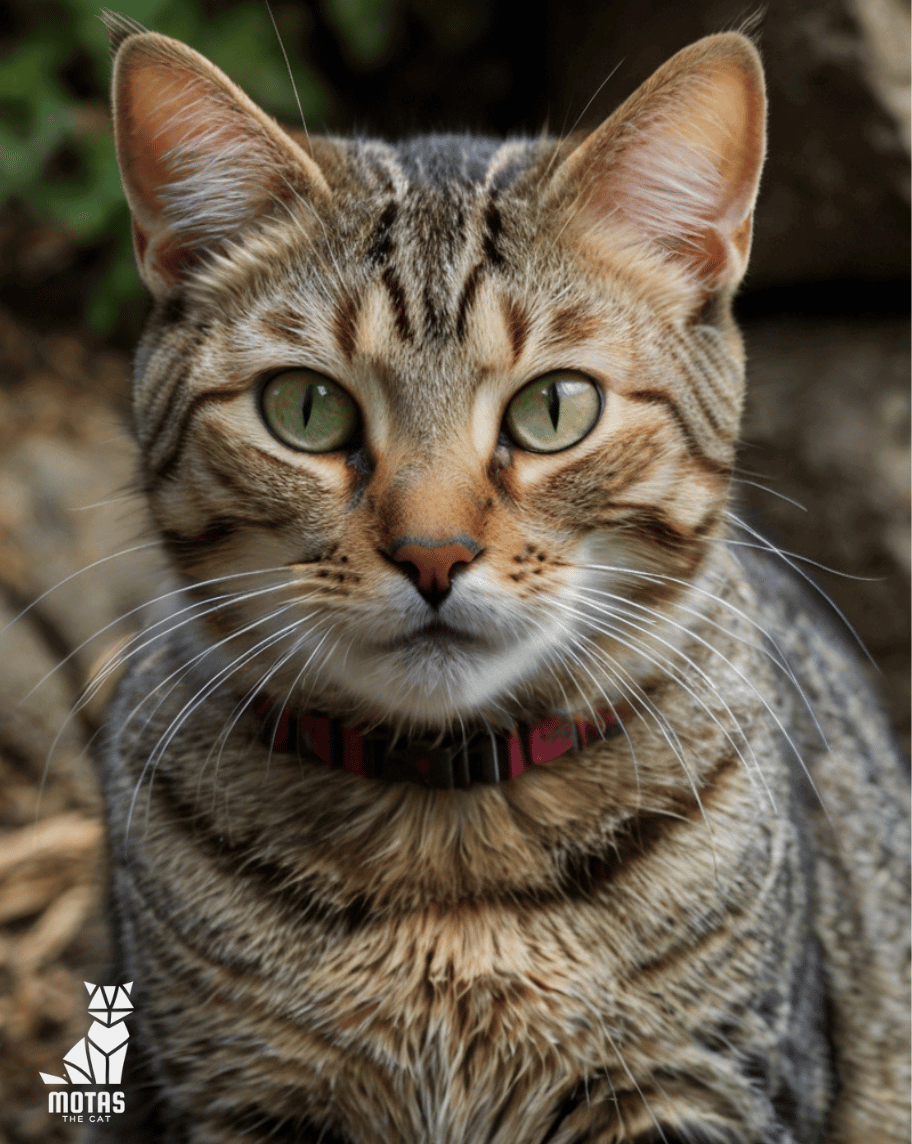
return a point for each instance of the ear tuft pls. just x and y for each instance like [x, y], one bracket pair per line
[677, 166]
[119, 28]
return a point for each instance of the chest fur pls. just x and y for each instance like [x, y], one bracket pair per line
[457, 964]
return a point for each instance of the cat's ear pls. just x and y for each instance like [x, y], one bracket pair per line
[198, 159]
[678, 165]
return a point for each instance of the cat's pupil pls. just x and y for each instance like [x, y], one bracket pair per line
[553, 404]
[307, 405]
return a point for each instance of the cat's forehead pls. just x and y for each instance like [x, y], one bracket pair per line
[431, 207]
[444, 162]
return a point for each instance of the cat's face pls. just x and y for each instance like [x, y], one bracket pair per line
[450, 416]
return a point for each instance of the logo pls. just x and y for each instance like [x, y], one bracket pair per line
[96, 1059]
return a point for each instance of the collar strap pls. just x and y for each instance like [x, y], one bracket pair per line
[486, 757]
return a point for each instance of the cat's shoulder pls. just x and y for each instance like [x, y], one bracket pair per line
[840, 729]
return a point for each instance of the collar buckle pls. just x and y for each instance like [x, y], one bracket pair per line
[440, 766]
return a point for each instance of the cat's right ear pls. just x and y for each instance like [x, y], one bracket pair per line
[199, 161]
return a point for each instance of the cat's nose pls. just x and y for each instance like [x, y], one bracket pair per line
[431, 564]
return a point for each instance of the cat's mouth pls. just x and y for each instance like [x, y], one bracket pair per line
[434, 634]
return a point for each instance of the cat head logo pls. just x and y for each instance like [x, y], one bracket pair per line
[99, 1057]
[109, 1004]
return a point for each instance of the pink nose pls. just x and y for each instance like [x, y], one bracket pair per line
[434, 563]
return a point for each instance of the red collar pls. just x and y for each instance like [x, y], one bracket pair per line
[485, 756]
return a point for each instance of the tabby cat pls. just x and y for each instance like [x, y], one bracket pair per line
[475, 789]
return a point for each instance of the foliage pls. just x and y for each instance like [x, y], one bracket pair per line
[56, 149]
[365, 26]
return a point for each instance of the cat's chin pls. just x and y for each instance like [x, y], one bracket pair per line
[438, 675]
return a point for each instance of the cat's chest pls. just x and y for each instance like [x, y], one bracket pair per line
[431, 951]
[469, 1020]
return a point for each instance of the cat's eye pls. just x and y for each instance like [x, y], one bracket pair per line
[553, 412]
[309, 412]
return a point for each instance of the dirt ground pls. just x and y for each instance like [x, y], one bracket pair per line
[827, 425]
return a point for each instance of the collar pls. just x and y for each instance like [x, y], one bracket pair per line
[485, 756]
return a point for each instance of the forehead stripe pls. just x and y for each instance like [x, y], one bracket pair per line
[396, 295]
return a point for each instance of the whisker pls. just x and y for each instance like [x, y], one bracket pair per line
[635, 694]
[195, 703]
[73, 575]
[114, 665]
[674, 743]
[790, 559]
[671, 738]
[239, 597]
[713, 650]
[592, 98]
[624, 694]
[768, 546]
[119, 499]
[627, 1071]
[663, 663]
[177, 675]
[136, 646]
[188, 665]
[264, 679]
[657, 578]
[294, 86]
[772, 492]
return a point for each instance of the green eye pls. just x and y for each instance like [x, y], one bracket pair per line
[307, 411]
[553, 412]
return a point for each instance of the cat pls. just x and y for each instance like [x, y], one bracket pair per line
[475, 788]
[98, 1058]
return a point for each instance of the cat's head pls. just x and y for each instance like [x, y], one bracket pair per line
[453, 419]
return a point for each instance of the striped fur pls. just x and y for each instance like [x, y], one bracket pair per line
[661, 937]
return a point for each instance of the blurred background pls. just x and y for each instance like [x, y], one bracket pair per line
[824, 309]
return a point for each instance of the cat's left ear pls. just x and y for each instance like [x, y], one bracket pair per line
[677, 166]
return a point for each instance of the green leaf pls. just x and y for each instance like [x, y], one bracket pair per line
[23, 157]
[367, 26]
[30, 72]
